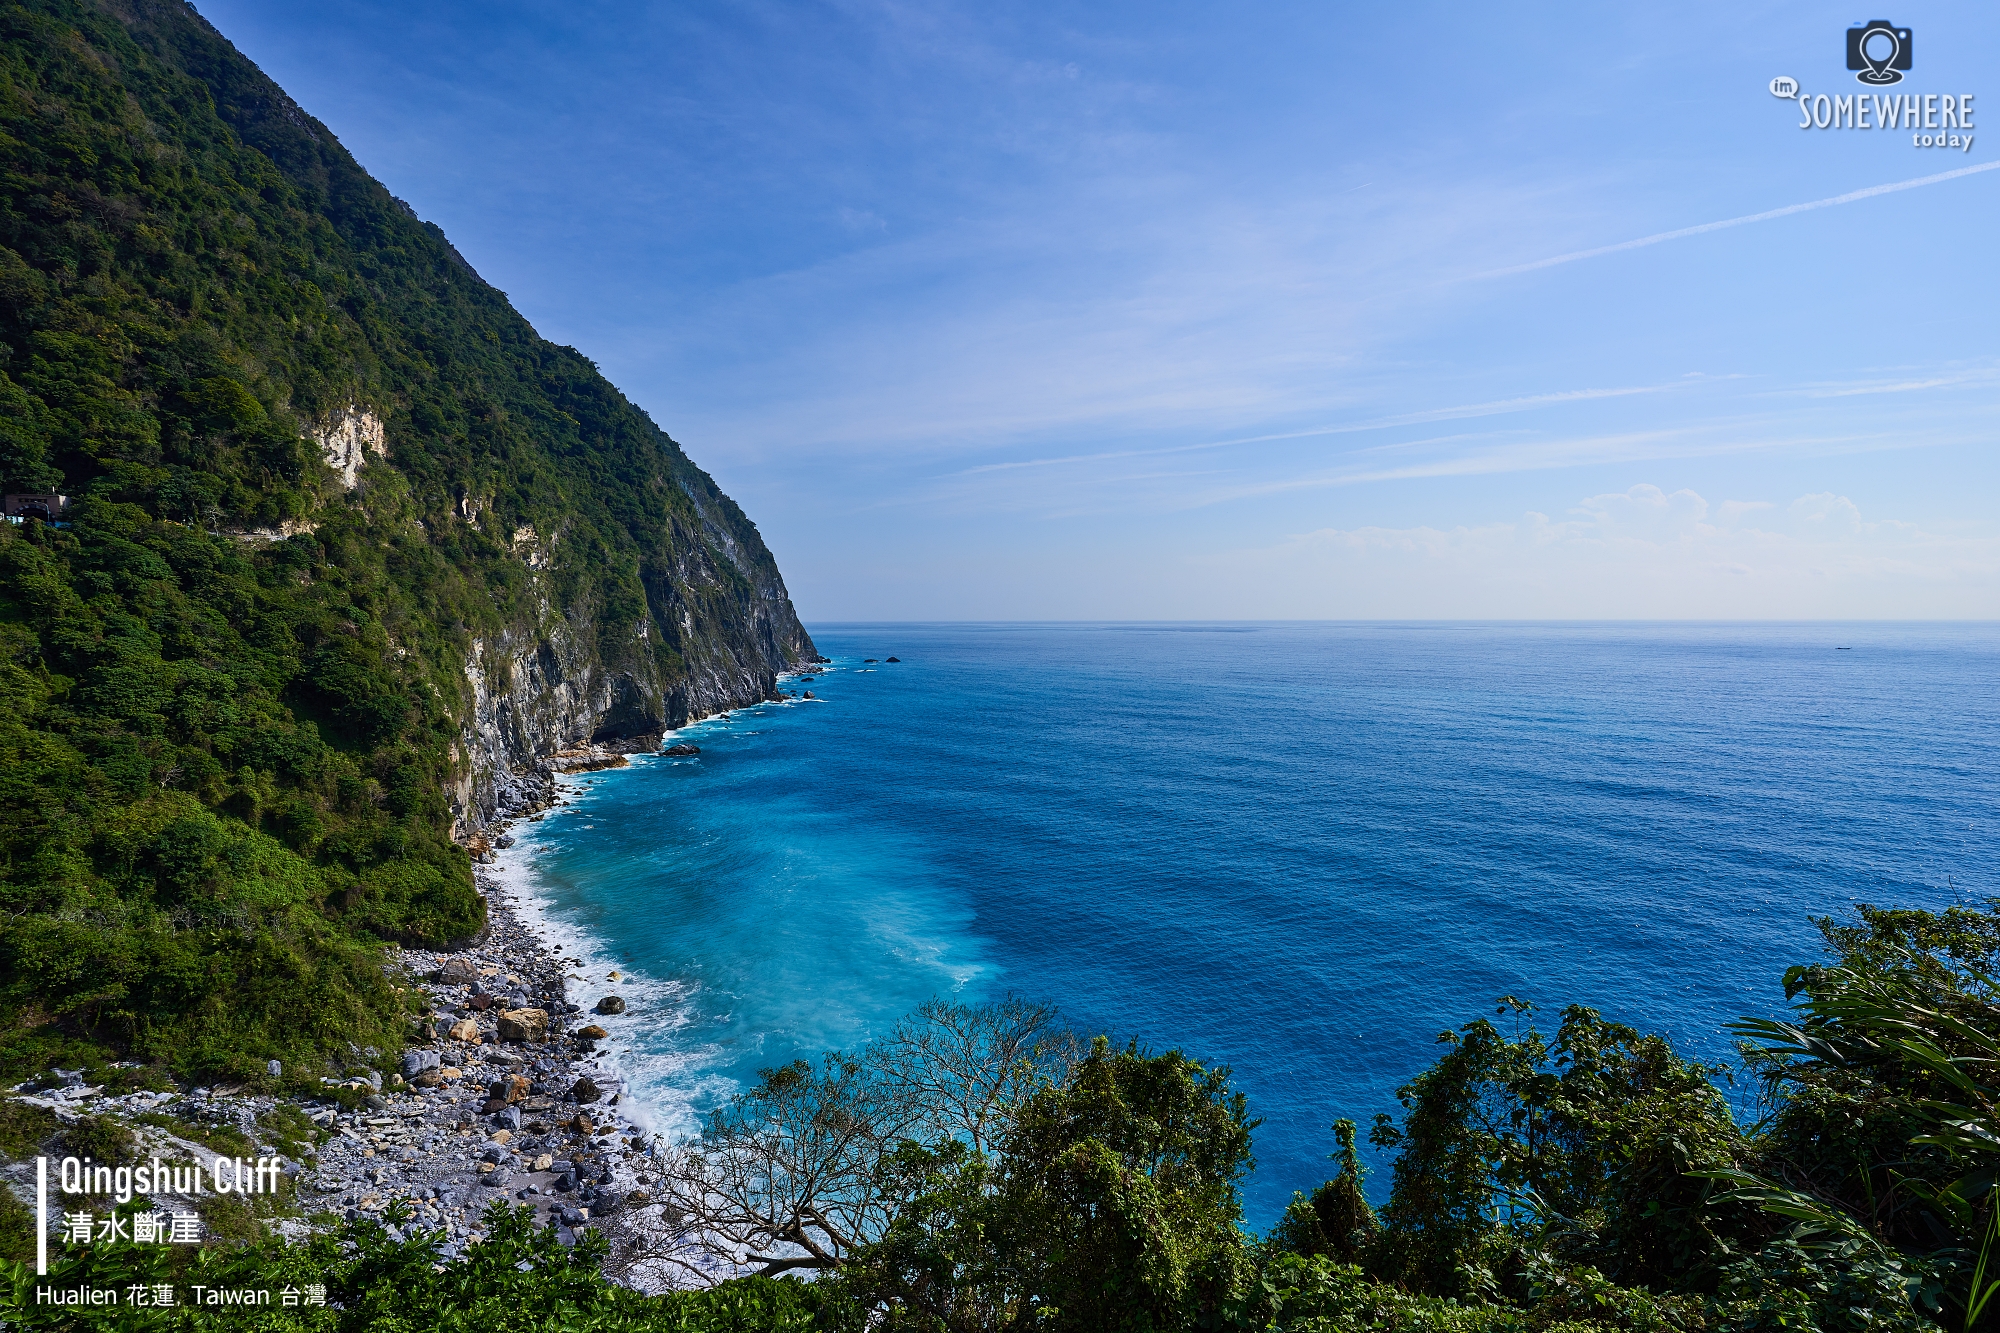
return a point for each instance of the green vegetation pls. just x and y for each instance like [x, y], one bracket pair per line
[225, 1139]
[978, 1169]
[224, 758]
[23, 1128]
[99, 1138]
[519, 1280]
[1588, 1178]
[292, 1133]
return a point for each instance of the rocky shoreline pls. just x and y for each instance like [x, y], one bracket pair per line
[501, 1095]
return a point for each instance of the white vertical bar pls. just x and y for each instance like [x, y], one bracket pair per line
[41, 1217]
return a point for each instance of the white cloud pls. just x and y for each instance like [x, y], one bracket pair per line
[1646, 514]
[1826, 517]
[1642, 553]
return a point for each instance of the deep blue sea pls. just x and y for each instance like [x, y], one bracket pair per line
[1301, 850]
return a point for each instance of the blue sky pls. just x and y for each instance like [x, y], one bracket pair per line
[1195, 311]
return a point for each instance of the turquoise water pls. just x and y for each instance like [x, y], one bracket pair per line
[1301, 850]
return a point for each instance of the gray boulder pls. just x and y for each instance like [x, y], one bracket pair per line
[418, 1062]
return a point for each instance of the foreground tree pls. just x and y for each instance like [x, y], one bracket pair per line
[1112, 1204]
[964, 1071]
[973, 1172]
[1883, 1148]
[1118, 1199]
[1578, 1148]
[1596, 1175]
[795, 1173]
[782, 1177]
[1337, 1220]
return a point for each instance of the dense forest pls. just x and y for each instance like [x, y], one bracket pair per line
[311, 459]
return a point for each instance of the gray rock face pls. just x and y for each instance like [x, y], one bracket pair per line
[717, 629]
[611, 1004]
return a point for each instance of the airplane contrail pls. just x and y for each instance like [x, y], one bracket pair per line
[1789, 209]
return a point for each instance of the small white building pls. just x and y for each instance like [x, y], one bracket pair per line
[47, 508]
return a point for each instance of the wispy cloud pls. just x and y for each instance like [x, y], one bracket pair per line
[1106, 482]
[1381, 423]
[1947, 379]
[1708, 439]
[1658, 237]
[1640, 552]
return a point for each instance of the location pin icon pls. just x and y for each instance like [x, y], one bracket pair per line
[1880, 37]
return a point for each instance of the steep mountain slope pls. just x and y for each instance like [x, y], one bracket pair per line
[346, 547]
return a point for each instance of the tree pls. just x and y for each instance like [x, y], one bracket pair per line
[1884, 1144]
[1579, 1148]
[962, 1071]
[793, 1174]
[1336, 1221]
[783, 1176]
[1112, 1204]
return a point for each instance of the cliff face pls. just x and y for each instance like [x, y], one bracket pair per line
[351, 551]
[561, 667]
[547, 684]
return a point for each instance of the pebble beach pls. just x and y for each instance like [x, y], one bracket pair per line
[501, 1093]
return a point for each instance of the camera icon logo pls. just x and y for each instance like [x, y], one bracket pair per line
[1879, 50]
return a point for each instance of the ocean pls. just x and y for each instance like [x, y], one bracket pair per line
[1302, 850]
